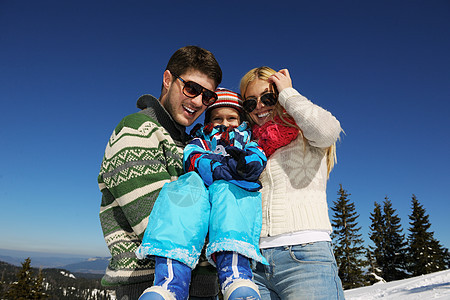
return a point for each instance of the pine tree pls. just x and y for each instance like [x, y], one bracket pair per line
[23, 288]
[376, 253]
[27, 286]
[425, 253]
[447, 258]
[394, 260]
[3, 286]
[348, 247]
[372, 276]
[38, 291]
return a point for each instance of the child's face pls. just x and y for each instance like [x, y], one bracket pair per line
[225, 116]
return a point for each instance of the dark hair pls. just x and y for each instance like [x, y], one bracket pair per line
[195, 58]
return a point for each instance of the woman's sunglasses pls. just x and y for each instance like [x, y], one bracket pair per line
[192, 89]
[268, 99]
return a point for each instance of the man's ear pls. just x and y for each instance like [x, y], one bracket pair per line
[167, 79]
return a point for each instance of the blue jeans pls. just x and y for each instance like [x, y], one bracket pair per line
[307, 271]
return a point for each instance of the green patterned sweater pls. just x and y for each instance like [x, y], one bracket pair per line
[143, 153]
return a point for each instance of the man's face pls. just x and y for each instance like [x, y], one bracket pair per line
[184, 110]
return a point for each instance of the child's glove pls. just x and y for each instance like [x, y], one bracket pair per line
[239, 156]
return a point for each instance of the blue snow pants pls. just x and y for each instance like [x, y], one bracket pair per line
[186, 211]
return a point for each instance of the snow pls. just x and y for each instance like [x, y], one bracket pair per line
[430, 286]
[67, 274]
[380, 279]
[94, 258]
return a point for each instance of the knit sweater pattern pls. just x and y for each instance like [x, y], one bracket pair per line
[295, 178]
[143, 153]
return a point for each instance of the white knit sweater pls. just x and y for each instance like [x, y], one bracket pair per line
[295, 178]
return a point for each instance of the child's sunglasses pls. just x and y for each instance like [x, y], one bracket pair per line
[268, 99]
[192, 89]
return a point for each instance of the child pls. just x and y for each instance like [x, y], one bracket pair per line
[218, 196]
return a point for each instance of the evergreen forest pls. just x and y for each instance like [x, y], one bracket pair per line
[30, 283]
[391, 254]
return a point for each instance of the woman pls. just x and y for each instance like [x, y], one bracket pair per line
[299, 140]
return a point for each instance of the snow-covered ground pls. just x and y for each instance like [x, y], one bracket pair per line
[425, 287]
[430, 286]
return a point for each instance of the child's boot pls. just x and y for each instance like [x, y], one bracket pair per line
[172, 279]
[235, 276]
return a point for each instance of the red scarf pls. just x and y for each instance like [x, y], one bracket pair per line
[274, 134]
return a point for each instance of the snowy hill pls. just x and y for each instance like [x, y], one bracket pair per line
[430, 286]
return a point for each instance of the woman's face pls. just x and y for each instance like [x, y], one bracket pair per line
[261, 114]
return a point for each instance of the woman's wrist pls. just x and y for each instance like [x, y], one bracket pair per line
[285, 94]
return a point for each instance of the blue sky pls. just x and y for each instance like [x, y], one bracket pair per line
[70, 70]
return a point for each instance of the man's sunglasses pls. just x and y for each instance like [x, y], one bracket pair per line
[268, 99]
[192, 89]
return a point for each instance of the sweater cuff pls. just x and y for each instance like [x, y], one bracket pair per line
[285, 94]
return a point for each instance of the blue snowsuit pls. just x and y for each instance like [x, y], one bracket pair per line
[219, 195]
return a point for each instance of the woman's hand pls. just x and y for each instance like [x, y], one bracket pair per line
[281, 79]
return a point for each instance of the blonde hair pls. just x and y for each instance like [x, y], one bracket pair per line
[264, 73]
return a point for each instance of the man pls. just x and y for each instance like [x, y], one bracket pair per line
[144, 152]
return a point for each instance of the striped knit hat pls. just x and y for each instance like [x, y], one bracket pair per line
[225, 98]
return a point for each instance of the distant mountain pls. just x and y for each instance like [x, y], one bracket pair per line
[54, 260]
[42, 262]
[96, 265]
[11, 260]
